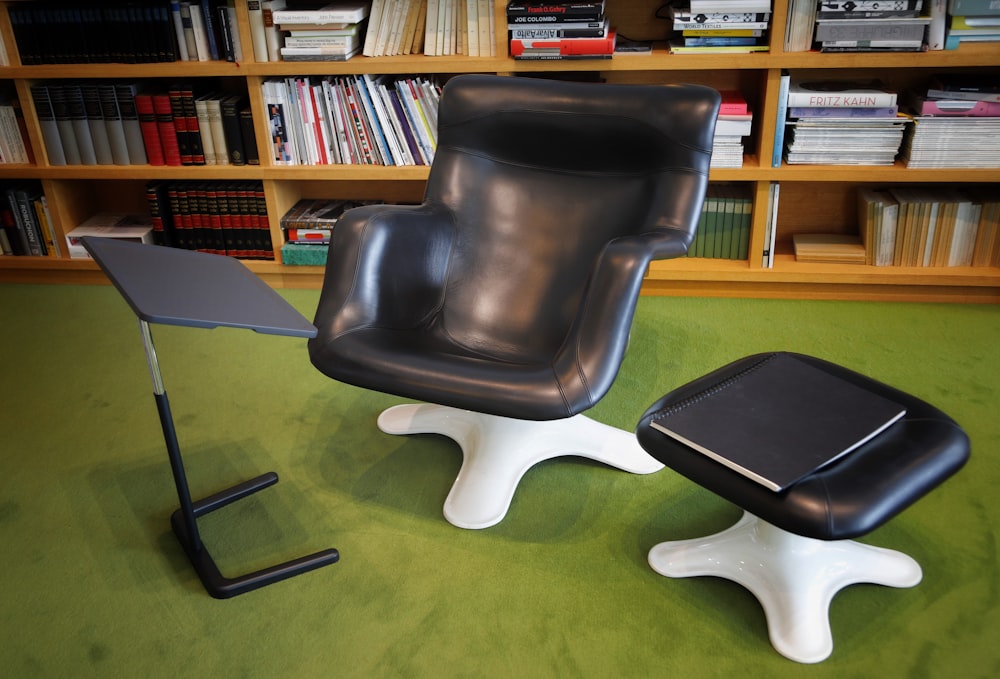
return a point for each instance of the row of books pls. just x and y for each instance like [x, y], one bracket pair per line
[102, 31]
[929, 226]
[954, 122]
[559, 30]
[900, 26]
[221, 217]
[358, 120]
[431, 27]
[724, 225]
[338, 31]
[720, 26]
[118, 123]
[26, 227]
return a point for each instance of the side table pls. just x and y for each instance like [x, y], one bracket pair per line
[200, 290]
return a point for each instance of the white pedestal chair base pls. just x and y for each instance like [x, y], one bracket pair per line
[793, 577]
[497, 451]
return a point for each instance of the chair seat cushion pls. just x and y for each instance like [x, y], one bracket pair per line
[846, 498]
[413, 363]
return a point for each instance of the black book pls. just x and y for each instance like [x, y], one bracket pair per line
[779, 420]
[533, 13]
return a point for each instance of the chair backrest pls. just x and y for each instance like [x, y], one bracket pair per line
[540, 177]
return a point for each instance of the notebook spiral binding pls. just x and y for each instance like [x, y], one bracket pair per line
[712, 390]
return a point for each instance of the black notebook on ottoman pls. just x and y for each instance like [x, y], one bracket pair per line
[779, 420]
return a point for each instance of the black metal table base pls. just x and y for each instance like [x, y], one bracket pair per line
[218, 585]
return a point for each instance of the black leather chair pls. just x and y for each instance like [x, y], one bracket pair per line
[793, 549]
[505, 299]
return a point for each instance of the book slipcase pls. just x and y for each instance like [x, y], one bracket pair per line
[813, 199]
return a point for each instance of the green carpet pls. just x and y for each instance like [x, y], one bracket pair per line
[94, 584]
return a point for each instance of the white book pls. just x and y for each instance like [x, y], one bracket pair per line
[205, 130]
[389, 11]
[472, 27]
[81, 127]
[200, 32]
[399, 17]
[175, 15]
[273, 35]
[255, 10]
[375, 19]
[484, 15]
[113, 123]
[430, 27]
[188, 27]
[125, 96]
[346, 40]
[333, 13]
[95, 120]
[213, 104]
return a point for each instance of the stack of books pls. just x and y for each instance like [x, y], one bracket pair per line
[559, 30]
[972, 21]
[307, 227]
[329, 33]
[708, 26]
[724, 225]
[956, 123]
[843, 123]
[871, 26]
[358, 120]
[734, 124]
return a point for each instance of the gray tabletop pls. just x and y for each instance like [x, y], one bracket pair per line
[196, 289]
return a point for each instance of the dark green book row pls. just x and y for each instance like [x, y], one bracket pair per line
[724, 225]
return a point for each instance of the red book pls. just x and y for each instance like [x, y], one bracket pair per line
[733, 103]
[563, 47]
[167, 129]
[150, 133]
[180, 124]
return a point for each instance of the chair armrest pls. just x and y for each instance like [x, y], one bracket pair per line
[600, 336]
[386, 267]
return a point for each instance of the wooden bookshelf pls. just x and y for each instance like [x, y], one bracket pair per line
[812, 198]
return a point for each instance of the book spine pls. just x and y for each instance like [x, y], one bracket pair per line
[47, 123]
[166, 128]
[319, 16]
[257, 33]
[230, 109]
[114, 127]
[67, 133]
[81, 126]
[134, 141]
[148, 126]
[525, 12]
[192, 125]
[95, 121]
[841, 99]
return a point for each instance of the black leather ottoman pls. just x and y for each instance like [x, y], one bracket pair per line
[792, 548]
